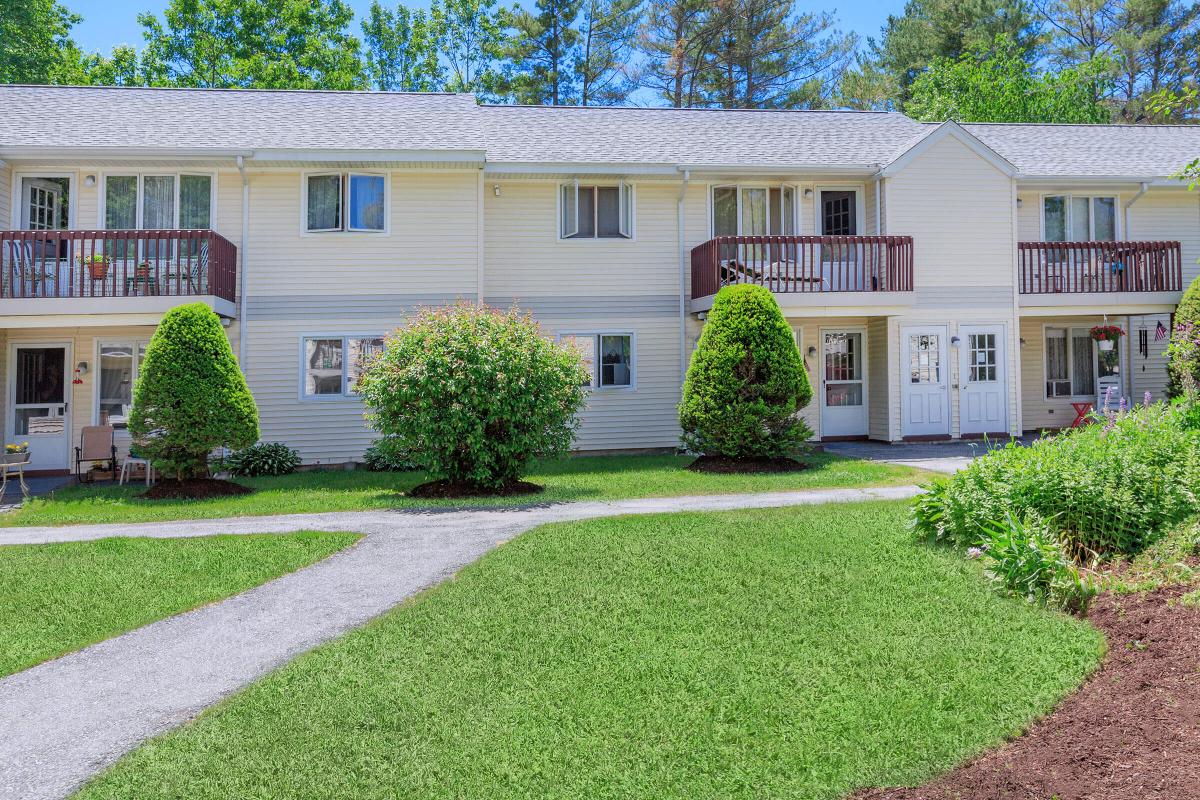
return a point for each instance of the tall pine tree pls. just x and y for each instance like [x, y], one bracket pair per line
[542, 52]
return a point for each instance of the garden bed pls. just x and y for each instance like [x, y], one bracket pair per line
[449, 490]
[1132, 731]
[195, 489]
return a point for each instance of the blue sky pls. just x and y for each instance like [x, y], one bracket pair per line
[107, 23]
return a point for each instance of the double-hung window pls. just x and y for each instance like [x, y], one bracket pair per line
[120, 365]
[332, 365]
[344, 201]
[1072, 218]
[596, 212]
[607, 357]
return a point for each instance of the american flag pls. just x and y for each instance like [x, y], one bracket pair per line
[1160, 332]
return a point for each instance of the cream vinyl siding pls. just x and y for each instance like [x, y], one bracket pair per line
[1148, 373]
[880, 391]
[1040, 412]
[430, 247]
[5, 196]
[1172, 215]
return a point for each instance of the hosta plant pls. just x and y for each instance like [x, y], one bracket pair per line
[264, 458]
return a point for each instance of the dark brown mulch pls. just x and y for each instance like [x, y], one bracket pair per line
[195, 489]
[451, 490]
[721, 464]
[1131, 732]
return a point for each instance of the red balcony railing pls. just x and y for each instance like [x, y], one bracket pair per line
[1094, 267]
[116, 264]
[804, 264]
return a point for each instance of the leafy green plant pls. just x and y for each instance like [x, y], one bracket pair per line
[1026, 557]
[746, 381]
[1183, 351]
[191, 397]
[474, 394]
[386, 454]
[264, 458]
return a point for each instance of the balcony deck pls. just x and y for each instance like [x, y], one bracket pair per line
[110, 265]
[825, 269]
[1099, 267]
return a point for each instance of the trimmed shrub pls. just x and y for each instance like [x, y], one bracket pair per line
[191, 397]
[1183, 352]
[264, 458]
[387, 455]
[746, 382]
[473, 394]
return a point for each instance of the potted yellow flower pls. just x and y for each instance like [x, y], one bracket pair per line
[16, 453]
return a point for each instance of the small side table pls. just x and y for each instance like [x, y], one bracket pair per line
[1081, 414]
[12, 466]
[132, 461]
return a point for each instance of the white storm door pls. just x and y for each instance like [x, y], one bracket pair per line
[38, 398]
[843, 388]
[925, 399]
[983, 380]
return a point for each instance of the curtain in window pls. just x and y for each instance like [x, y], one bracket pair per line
[324, 202]
[1104, 210]
[1083, 372]
[1081, 230]
[1058, 378]
[725, 222]
[195, 202]
[158, 202]
[366, 202]
[120, 202]
[615, 361]
[754, 212]
[608, 212]
[1055, 213]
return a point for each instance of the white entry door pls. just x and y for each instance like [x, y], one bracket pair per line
[38, 398]
[925, 399]
[983, 381]
[843, 387]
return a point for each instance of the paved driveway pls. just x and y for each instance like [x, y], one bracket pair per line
[947, 457]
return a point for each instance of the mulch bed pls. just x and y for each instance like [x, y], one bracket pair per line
[721, 464]
[452, 490]
[195, 489]
[1131, 732]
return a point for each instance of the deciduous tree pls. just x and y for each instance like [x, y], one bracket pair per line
[468, 35]
[401, 50]
[34, 36]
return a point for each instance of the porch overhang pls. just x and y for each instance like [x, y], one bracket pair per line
[81, 312]
[831, 304]
[1096, 304]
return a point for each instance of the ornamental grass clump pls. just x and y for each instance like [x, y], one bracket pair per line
[1101, 491]
[472, 394]
[746, 383]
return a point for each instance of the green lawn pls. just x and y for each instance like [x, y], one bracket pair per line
[57, 598]
[784, 653]
[593, 478]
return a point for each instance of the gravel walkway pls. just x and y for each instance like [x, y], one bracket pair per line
[63, 721]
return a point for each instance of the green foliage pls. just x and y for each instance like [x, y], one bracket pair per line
[1106, 489]
[1026, 558]
[469, 34]
[191, 397]
[997, 84]
[1183, 351]
[607, 35]
[266, 44]
[35, 41]
[542, 49]
[386, 454]
[474, 394]
[401, 50]
[264, 458]
[746, 381]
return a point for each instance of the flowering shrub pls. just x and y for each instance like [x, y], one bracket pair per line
[746, 381]
[473, 394]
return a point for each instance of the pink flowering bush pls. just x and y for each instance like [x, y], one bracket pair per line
[472, 394]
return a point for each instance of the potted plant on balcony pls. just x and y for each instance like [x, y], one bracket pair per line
[1107, 336]
[97, 265]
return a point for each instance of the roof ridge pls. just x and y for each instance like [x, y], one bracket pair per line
[230, 90]
[673, 108]
[1125, 125]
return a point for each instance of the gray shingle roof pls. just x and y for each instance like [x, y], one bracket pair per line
[236, 120]
[86, 117]
[696, 136]
[1092, 150]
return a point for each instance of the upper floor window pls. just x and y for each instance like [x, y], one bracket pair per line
[344, 201]
[753, 210]
[158, 202]
[332, 365]
[596, 212]
[1072, 218]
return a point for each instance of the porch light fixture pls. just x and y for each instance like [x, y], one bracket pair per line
[89, 181]
[812, 351]
[955, 341]
[808, 192]
[496, 189]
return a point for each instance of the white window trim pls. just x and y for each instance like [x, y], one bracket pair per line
[1078, 398]
[1118, 222]
[345, 394]
[100, 344]
[344, 192]
[558, 211]
[18, 199]
[860, 205]
[102, 194]
[797, 195]
[595, 386]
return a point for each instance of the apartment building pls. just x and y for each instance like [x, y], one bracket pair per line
[941, 280]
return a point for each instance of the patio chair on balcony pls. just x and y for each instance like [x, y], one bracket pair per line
[95, 445]
[29, 266]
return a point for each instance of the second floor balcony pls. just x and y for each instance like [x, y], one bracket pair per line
[112, 264]
[809, 266]
[1058, 268]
